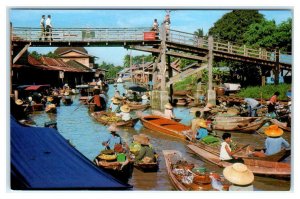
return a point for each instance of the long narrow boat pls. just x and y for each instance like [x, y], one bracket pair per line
[138, 106]
[148, 167]
[109, 118]
[215, 149]
[257, 166]
[166, 126]
[233, 119]
[120, 170]
[239, 126]
[281, 125]
[171, 156]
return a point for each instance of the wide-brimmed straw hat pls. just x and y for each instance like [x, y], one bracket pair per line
[125, 108]
[49, 99]
[142, 139]
[238, 174]
[19, 102]
[30, 98]
[112, 128]
[273, 131]
[115, 100]
[168, 106]
[144, 97]
[202, 123]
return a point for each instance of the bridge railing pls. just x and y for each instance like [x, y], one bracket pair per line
[80, 34]
[221, 46]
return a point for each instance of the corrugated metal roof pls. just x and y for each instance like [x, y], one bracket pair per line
[61, 50]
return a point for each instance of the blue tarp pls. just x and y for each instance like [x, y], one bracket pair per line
[41, 159]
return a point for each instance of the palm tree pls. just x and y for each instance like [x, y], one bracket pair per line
[199, 32]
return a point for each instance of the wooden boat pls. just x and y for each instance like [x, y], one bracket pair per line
[215, 149]
[239, 126]
[181, 93]
[148, 167]
[67, 101]
[166, 126]
[106, 118]
[171, 156]
[51, 108]
[137, 106]
[37, 107]
[258, 166]
[120, 170]
[220, 119]
[281, 125]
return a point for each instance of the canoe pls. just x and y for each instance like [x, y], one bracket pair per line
[148, 167]
[257, 166]
[67, 101]
[215, 149]
[50, 109]
[171, 157]
[239, 126]
[166, 126]
[116, 120]
[220, 119]
[138, 106]
[281, 125]
[120, 170]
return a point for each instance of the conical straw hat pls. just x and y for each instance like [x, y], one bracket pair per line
[273, 131]
[125, 108]
[19, 102]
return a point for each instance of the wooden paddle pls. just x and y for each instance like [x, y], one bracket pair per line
[240, 149]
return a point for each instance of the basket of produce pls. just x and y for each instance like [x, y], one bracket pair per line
[107, 157]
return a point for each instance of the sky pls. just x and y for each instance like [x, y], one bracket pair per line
[182, 20]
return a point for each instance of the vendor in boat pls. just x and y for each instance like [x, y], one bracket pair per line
[240, 177]
[17, 109]
[145, 100]
[169, 111]
[125, 115]
[96, 99]
[146, 153]
[195, 124]
[252, 106]
[113, 139]
[115, 105]
[31, 102]
[117, 95]
[226, 154]
[56, 99]
[273, 143]
[49, 100]
[272, 102]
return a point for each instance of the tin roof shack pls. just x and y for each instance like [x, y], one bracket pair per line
[78, 54]
[53, 71]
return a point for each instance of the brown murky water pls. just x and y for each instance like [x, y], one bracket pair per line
[86, 135]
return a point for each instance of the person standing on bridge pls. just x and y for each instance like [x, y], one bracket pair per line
[155, 25]
[167, 23]
[49, 28]
[42, 25]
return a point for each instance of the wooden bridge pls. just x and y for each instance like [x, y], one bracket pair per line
[178, 43]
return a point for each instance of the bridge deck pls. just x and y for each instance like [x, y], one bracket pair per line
[136, 36]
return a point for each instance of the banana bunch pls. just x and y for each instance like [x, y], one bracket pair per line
[107, 157]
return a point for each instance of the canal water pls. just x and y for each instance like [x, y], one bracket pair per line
[86, 135]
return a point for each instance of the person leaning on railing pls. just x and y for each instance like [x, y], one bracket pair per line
[49, 28]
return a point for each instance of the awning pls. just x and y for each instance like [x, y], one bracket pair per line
[41, 159]
[36, 87]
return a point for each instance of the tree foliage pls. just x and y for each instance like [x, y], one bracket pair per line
[233, 25]
[137, 59]
[112, 70]
[267, 35]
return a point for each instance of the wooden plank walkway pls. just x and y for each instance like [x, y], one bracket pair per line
[183, 41]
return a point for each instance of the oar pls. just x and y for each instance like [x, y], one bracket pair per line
[77, 107]
[240, 149]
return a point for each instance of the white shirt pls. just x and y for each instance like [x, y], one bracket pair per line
[223, 153]
[145, 101]
[169, 114]
[48, 22]
[42, 22]
[125, 116]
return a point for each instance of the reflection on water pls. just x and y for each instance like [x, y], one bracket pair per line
[75, 124]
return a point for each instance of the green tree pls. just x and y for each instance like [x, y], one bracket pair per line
[199, 32]
[36, 55]
[233, 25]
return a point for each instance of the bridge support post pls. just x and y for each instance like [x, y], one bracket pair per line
[159, 99]
[170, 74]
[277, 67]
[211, 94]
